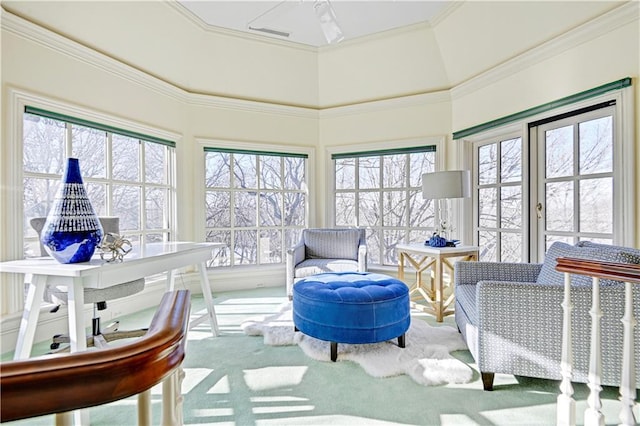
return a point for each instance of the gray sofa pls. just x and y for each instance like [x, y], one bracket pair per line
[510, 315]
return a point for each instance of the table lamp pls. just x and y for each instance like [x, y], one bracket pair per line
[443, 186]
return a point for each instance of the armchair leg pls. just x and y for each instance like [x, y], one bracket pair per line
[487, 380]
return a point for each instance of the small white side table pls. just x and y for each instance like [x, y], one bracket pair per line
[421, 257]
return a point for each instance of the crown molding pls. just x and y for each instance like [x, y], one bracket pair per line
[407, 101]
[588, 31]
[34, 33]
[444, 13]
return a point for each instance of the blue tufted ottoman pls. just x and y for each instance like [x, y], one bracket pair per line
[351, 307]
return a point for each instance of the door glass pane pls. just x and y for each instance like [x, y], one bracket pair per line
[511, 160]
[511, 205]
[550, 239]
[559, 214]
[596, 146]
[488, 246]
[510, 247]
[559, 152]
[487, 202]
[487, 164]
[596, 205]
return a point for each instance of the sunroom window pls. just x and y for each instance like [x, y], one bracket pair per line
[382, 192]
[256, 203]
[126, 174]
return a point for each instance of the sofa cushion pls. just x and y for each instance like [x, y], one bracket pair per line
[332, 243]
[631, 255]
[318, 266]
[602, 252]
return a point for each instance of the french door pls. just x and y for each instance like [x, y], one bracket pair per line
[555, 184]
[575, 179]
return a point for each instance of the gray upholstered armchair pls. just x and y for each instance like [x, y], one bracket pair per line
[510, 315]
[326, 250]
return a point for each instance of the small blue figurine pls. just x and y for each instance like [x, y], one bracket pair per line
[437, 241]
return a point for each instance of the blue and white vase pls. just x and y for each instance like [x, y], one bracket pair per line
[72, 230]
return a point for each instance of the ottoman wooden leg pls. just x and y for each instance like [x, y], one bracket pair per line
[401, 341]
[334, 351]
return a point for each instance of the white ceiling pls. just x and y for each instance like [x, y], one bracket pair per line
[297, 17]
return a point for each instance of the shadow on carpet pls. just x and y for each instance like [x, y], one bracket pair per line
[426, 357]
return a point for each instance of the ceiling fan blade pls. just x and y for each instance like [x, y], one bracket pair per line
[328, 22]
[262, 21]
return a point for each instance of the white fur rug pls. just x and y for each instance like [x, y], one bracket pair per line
[425, 358]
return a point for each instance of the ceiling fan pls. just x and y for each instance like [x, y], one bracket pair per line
[323, 10]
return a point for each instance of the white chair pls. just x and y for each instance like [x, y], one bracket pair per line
[326, 250]
[98, 297]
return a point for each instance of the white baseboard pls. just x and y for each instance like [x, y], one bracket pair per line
[220, 279]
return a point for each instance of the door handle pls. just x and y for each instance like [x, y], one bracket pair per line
[539, 210]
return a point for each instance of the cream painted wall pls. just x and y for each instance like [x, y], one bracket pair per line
[156, 37]
[46, 71]
[603, 59]
[469, 34]
[397, 63]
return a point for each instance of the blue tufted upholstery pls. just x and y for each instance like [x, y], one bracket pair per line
[351, 307]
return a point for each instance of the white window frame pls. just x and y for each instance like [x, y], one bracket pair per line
[625, 197]
[11, 172]
[258, 148]
[437, 141]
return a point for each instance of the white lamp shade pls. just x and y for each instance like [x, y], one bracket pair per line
[449, 184]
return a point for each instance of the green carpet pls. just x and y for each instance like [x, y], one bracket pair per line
[236, 380]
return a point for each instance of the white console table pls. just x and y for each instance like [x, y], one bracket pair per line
[143, 261]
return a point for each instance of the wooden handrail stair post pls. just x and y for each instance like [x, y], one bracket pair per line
[629, 274]
[58, 384]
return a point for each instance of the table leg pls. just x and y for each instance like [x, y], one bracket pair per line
[206, 292]
[439, 289]
[30, 317]
[77, 334]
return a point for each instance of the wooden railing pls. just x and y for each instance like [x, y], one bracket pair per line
[62, 383]
[629, 274]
